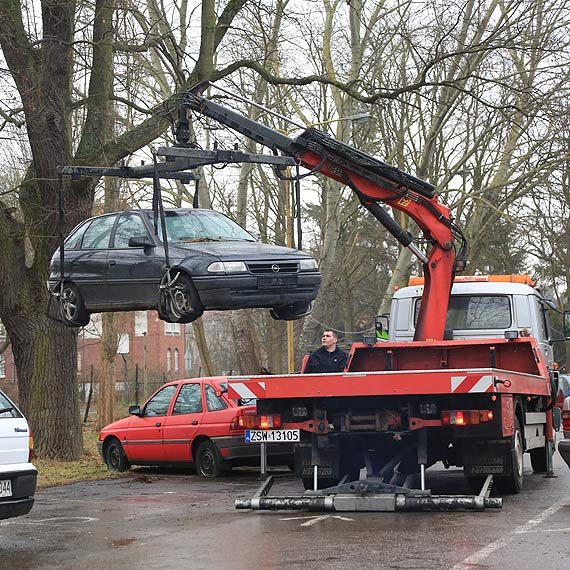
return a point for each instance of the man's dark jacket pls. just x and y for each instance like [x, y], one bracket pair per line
[322, 360]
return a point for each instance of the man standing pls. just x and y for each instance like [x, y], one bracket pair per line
[328, 358]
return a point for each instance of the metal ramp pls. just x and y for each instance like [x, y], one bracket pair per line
[369, 495]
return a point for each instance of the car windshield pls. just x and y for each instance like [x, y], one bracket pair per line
[7, 409]
[200, 225]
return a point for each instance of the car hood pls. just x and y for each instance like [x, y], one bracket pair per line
[119, 424]
[229, 250]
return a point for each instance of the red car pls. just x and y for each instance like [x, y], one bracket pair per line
[187, 421]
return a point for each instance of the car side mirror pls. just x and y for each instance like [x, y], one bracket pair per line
[140, 241]
[135, 410]
[381, 324]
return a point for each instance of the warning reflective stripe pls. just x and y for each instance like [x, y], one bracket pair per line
[472, 384]
[249, 390]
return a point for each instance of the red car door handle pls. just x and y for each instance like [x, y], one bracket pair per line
[195, 423]
[157, 424]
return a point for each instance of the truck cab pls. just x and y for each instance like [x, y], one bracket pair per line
[480, 307]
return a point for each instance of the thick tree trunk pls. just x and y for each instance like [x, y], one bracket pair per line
[45, 354]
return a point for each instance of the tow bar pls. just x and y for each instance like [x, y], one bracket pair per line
[369, 495]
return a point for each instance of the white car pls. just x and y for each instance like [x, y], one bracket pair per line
[564, 444]
[17, 474]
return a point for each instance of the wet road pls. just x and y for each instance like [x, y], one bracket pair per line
[174, 520]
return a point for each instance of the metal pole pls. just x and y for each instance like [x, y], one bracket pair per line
[263, 452]
[289, 234]
[137, 384]
[145, 392]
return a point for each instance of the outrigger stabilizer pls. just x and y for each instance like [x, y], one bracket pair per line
[370, 495]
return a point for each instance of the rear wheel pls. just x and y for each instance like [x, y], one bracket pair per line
[73, 307]
[115, 457]
[538, 459]
[513, 483]
[209, 462]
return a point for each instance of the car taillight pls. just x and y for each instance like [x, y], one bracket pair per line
[237, 422]
[465, 417]
[566, 420]
[31, 448]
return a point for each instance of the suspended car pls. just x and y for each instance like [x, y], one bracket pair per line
[116, 262]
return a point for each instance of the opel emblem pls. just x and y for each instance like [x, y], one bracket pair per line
[275, 268]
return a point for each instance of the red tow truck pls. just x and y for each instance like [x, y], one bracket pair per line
[365, 437]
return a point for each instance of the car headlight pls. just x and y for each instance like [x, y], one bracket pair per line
[227, 267]
[308, 264]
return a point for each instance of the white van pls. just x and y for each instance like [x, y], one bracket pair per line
[17, 474]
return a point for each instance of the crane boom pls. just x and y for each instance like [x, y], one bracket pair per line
[373, 181]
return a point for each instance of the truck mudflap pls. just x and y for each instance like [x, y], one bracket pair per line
[370, 496]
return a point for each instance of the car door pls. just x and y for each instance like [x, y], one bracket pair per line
[145, 434]
[89, 264]
[183, 422]
[133, 275]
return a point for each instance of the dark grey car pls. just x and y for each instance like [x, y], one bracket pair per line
[115, 262]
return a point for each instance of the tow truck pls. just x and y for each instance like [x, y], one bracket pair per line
[474, 401]
[435, 392]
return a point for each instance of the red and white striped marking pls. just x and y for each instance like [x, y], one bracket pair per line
[247, 391]
[471, 384]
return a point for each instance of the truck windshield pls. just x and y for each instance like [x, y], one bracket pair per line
[472, 312]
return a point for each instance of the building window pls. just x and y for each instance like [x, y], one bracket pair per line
[2, 366]
[176, 364]
[172, 329]
[141, 326]
[168, 360]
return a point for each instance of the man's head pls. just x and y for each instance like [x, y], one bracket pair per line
[329, 340]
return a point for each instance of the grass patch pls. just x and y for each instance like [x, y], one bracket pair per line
[89, 467]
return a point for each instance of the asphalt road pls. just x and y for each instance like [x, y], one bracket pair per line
[175, 520]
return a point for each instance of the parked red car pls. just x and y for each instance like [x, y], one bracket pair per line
[184, 422]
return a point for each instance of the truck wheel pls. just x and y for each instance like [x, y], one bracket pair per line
[538, 459]
[209, 462]
[513, 483]
[115, 457]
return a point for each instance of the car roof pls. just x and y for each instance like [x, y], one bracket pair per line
[216, 379]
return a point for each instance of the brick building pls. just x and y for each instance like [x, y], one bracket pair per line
[150, 353]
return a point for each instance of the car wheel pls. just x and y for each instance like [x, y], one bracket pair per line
[291, 312]
[209, 462]
[72, 306]
[115, 457]
[180, 303]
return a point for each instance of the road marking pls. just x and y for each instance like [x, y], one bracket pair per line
[61, 520]
[316, 518]
[478, 557]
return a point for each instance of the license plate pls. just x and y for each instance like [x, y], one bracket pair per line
[6, 488]
[272, 435]
[277, 282]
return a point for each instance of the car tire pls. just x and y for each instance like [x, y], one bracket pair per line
[72, 305]
[291, 312]
[182, 303]
[513, 483]
[115, 457]
[209, 463]
[538, 459]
